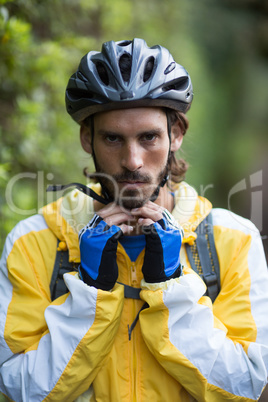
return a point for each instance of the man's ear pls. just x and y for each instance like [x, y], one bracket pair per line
[85, 138]
[176, 136]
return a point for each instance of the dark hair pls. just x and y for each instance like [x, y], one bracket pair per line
[177, 168]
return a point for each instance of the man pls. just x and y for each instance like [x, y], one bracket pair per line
[106, 339]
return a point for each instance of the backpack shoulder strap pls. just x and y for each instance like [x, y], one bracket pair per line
[61, 266]
[203, 257]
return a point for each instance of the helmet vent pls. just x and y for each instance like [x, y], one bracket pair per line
[124, 43]
[102, 73]
[170, 68]
[149, 66]
[125, 66]
[179, 85]
[81, 76]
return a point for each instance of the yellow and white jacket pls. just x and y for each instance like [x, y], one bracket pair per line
[183, 348]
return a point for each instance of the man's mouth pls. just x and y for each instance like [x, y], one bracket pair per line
[132, 180]
[131, 183]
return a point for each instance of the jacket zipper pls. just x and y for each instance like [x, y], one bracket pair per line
[133, 273]
[134, 282]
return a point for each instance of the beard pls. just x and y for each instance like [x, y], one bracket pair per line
[126, 197]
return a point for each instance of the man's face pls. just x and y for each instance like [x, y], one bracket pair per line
[131, 149]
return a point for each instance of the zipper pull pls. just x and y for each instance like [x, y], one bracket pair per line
[134, 279]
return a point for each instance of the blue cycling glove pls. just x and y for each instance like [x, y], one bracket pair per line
[162, 250]
[98, 245]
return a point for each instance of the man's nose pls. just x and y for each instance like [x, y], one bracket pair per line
[131, 158]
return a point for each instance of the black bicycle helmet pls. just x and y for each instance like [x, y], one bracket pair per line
[127, 74]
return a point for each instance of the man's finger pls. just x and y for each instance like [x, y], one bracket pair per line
[126, 229]
[148, 212]
[118, 219]
[110, 210]
[145, 222]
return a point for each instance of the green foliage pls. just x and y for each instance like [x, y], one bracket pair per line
[41, 43]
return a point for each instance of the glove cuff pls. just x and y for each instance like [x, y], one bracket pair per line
[152, 279]
[96, 283]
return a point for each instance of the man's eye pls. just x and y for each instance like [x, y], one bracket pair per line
[149, 137]
[112, 138]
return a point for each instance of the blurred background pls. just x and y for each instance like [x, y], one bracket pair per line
[223, 45]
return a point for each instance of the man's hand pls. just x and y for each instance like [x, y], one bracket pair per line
[98, 245]
[163, 243]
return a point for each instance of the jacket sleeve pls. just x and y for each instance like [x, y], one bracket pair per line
[49, 351]
[216, 352]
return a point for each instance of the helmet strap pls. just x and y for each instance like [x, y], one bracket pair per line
[104, 191]
[92, 130]
[166, 177]
[168, 128]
